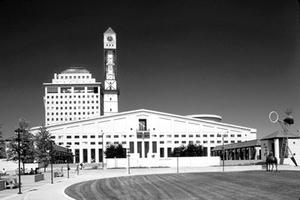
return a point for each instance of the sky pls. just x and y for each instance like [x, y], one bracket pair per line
[237, 59]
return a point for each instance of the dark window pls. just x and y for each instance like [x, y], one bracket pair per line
[154, 147]
[162, 152]
[69, 136]
[85, 155]
[146, 149]
[142, 124]
[77, 154]
[131, 147]
[93, 156]
[139, 148]
[169, 151]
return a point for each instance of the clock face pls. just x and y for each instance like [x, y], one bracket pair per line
[109, 38]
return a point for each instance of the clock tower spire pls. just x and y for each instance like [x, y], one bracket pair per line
[111, 90]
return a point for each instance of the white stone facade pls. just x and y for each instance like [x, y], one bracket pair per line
[162, 133]
[72, 95]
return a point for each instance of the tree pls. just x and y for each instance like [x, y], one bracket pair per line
[27, 151]
[115, 151]
[43, 145]
[2, 146]
[188, 151]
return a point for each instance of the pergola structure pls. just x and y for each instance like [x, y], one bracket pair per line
[61, 154]
[249, 150]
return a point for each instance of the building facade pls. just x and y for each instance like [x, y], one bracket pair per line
[72, 95]
[145, 133]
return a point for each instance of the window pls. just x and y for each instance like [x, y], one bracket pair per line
[239, 135]
[92, 136]
[190, 135]
[76, 143]
[69, 136]
[116, 136]
[176, 142]
[84, 136]
[65, 90]
[92, 143]
[161, 136]
[176, 135]
[212, 142]
[205, 135]
[76, 136]
[142, 124]
[183, 135]
[131, 147]
[198, 135]
[161, 142]
[232, 135]
[52, 89]
[211, 135]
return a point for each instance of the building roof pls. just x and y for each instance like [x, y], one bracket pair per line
[149, 112]
[250, 143]
[109, 30]
[281, 134]
[216, 118]
[76, 70]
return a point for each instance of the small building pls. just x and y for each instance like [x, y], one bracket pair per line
[72, 95]
[283, 144]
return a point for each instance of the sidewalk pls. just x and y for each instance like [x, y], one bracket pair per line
[44, 190]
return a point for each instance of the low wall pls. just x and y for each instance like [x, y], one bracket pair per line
[2, 185]
[163, 162]
[32, 178]
[240, 162]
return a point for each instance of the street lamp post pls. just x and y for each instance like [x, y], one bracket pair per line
[223, 151]
[68, 167]
[102, 150]
[18, 131]
[128, 156]
[51, 160]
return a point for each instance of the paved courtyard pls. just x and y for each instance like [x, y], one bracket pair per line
[45, 190]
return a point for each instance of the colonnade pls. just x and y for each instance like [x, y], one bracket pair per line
[244, 153]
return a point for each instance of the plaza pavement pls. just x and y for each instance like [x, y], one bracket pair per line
[44, 190]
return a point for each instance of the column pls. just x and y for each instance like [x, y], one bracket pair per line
[276, 148]
[89, 155]
[97, 154]
[81, 155]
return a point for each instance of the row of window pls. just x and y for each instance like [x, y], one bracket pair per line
[70, 113]
[71, 102]
[65, 119]
[70, 96]
[124, 136]
[72, 108]
[73, 77]
[161, 142]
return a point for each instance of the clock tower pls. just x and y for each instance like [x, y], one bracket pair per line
[111, 90]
